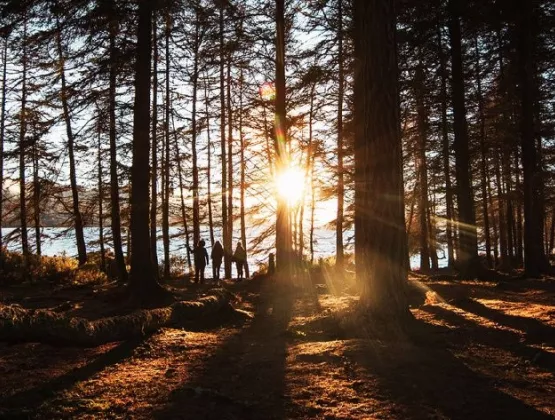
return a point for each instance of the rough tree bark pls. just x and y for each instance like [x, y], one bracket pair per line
[380, 237]
[143, 282]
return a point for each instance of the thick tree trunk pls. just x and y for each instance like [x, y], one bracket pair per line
[467, 258]
[535, 261]
[115, 213]
[380, 237]
[339, 253]
[77, 218]
[143, 281]
[283, 232]
[154, 159]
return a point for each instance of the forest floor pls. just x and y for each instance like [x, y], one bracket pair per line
[476, 350]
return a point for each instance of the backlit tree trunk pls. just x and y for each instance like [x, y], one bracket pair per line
[468, 241]
[2, 134]
[154, 161]
[143, 282]
[380, 237]
[23, 148]
[340, 175]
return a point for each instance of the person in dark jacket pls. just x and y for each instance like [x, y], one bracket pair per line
[240, 258]
[217, 256]
[201, 260]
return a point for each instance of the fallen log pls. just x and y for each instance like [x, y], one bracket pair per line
[46, 326]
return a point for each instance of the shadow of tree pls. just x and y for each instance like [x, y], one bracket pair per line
[253, 359]
[422, 382]
[27, 402]
[536, 331]
[496, 338]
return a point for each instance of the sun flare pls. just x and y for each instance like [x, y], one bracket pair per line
[290, 185]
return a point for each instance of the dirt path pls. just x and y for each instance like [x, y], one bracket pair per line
[475, 352]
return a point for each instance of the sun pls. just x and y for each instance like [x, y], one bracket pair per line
[290, 185]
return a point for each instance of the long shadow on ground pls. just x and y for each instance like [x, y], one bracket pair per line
[245, 378]
[26, 403]
[423, 382]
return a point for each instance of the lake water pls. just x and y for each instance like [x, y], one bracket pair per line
[60, 241]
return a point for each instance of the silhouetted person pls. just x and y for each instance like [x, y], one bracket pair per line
[201, 260]
[240, 258]
[217, 256]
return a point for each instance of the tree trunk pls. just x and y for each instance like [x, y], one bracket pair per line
[196, 208]
[225, 231]
[229, 154]
[166, 202]
[467, 258]
[100, 199]
[114, 184]
[209, 166]
[77, 218]
[380, 237]
[143, 282]
[2, 134]
[242, 147]
[446, 154]
[339, 253]
[519, 237]
[535, 261]
[154, 161]
[181, 189]
[483, 155]
[283, 232]
[422, 124]
[36, 196]
[23, 147]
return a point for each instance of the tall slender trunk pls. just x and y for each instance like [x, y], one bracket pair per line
[196, 204]
[209, 166]
[519, 238]
[243, 174]
[307, 166]
[283, 233]
[100, 199]
[181, 189]
[339, 253]
[2, 134]
[446, 151]
[225, 231]
[36, 197]
[468, 241]
[154, 158]
[229, 153]
[23, 147]
[77, 218]
[114, 183]
[166, 202]
[501, 211]
[312, 154]
[422, 123]
[483, 155]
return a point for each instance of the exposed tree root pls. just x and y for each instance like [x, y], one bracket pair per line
[18, 324]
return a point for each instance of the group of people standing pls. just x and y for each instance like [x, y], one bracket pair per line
[201, 259]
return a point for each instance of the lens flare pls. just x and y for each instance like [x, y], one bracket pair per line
[267, 91]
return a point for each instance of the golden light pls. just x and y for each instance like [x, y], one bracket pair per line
[290, 185]
[267, 91]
